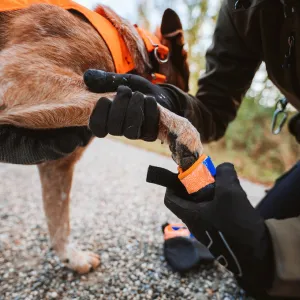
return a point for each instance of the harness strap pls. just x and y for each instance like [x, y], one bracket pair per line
[121, 55]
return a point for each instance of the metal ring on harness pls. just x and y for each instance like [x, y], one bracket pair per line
[160, 61]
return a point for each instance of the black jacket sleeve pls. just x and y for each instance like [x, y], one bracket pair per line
[230, 68]
[28, 146]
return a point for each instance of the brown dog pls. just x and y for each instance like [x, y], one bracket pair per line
[44, 51]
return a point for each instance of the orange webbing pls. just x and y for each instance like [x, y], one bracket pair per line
[122, 58]
[6, 5]
[196, 177]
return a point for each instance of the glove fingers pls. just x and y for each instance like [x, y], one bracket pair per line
[134, 116]
[150, 126]
[100, 82]
[226, 176]
[118, 111]
[98, 120]
[138, 83]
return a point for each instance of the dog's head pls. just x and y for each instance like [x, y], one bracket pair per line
[170, 34]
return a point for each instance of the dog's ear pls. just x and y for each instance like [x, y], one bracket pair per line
[171, 27]
[171, 35]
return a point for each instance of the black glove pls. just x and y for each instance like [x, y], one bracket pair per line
[294, 127]
[133, 113]
[230, 227]
[28, 146]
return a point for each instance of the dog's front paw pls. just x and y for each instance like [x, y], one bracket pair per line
[80, 261]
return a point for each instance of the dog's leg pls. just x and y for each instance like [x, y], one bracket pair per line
[35, 93]
[74, 110]
[56, 178]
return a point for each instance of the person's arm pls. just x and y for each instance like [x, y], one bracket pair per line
[230, 68]
[28, 146]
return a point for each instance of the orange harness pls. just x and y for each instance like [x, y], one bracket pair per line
[120, 53]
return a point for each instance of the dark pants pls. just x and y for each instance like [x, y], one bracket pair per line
[283, 200]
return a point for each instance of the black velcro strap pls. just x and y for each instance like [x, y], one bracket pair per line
[166, 178]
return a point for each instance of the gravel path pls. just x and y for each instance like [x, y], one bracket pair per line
[117, 215]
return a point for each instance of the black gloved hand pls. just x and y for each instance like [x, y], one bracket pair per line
[230, 227]
[29, 146]
[294, 127]
[133, 113]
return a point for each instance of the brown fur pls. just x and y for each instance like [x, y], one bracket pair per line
[44, 51]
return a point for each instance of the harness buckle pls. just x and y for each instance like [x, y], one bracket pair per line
[280, 108]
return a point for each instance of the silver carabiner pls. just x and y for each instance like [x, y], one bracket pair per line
[280, 108]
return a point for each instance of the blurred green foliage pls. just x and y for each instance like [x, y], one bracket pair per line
[257, 153]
